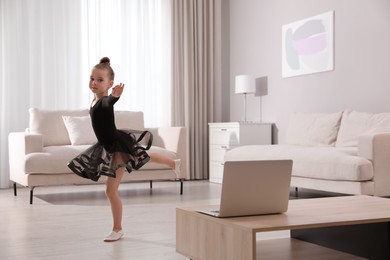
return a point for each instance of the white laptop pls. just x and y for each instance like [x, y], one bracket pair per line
[253, 188]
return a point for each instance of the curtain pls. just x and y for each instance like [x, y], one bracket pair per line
[39, 65]
[193, 76]
[47, 49]
[135, 35]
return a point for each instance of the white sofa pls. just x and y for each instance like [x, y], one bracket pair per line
[346, 152]
[39, 156]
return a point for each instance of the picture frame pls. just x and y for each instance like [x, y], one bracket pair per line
[308, 45]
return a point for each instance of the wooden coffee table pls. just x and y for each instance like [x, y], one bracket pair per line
[345, 226]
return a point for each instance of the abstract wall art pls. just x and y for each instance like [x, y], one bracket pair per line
[307, 45]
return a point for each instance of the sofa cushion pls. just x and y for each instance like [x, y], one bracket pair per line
[54, 159]
[79, 130]
[313, 129]
[328, 163]
[50, 125]
[129, 120]
[354, 124]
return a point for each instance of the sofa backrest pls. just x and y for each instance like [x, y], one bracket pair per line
[50, 123]
[340, 129]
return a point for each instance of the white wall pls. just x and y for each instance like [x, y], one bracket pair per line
[360, 80]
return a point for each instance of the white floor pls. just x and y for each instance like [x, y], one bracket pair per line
[70, 222]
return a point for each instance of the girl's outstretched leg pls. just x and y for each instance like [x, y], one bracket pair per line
[174, 164]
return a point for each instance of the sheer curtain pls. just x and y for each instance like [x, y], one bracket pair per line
[39, 63]
[135, 35]
[47, 49]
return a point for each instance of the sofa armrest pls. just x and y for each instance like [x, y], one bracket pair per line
[19, 145]
[376, 148]
[25, 143]
[173, 139]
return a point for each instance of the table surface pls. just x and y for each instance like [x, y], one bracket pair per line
[313, 213]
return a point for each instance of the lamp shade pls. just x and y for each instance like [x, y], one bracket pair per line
[245, 84]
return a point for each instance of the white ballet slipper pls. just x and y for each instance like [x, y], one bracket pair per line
[114, 236]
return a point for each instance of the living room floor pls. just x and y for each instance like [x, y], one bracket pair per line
[70, 222]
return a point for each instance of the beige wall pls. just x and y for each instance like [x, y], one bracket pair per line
[360, 80]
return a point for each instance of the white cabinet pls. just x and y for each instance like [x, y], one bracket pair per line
[225, 136]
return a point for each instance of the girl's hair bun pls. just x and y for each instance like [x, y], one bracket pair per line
[105, 65]
[105, 60]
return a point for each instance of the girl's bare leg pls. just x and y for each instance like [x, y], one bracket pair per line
[174, 164]
[112, 187]
[158, 158]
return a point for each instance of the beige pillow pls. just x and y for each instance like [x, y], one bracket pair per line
[50, 125]
[353, 124]
[80, 130]
[313, 129]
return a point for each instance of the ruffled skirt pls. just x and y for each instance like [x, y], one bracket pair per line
[129, 151]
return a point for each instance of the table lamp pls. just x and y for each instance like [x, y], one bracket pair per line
[245, 84]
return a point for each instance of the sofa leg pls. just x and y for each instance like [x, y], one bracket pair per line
[15, 193]
[31, 195]
[181, 186]
[151, 184]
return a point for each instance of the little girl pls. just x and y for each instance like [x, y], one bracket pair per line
[116, 150]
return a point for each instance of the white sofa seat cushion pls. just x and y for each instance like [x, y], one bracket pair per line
[54, 159]
[312, 162]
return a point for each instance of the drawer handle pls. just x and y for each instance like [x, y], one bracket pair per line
[224, 146]
[223, 129]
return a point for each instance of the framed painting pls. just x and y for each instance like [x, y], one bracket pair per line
[307, 45]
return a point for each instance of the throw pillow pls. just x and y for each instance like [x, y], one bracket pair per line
[353, 124]
[318, 129]
[129, 120]
[80, 130]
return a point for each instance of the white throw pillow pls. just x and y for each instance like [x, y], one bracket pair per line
[354, 124]
[80, 130]
[313, 129]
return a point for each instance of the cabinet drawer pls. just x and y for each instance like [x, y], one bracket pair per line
[216, 172]
[224, 135]
[217, 151]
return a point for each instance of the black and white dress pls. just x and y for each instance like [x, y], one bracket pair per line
[116, 148]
